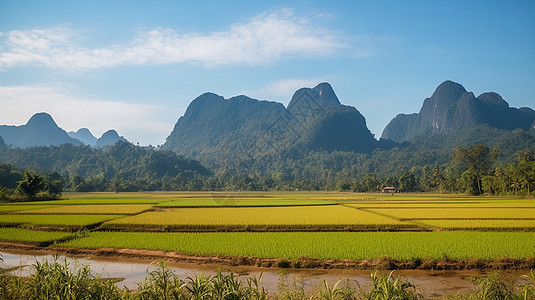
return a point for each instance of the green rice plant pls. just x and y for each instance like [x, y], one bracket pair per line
[112, 209]
[334, 216]
[56, 220]
[456, 213]
[31, 236]
[405, 246]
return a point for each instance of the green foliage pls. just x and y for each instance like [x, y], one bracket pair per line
[493, 287]
[55, 280]
[18, 185]
[407, 182]
[466, 161]
[390, 288]
[9, 177]
[470, 182]
[341, 290]
[121, 167]
[161, 283]
[528, 291]
[31, 184]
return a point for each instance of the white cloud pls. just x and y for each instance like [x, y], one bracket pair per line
[147, 124]
[284, 89]
[265, 39]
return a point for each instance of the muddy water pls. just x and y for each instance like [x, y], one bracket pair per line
[132, 271]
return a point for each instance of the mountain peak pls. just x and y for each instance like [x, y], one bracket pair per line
[40, 130]
[110, 134]
[323, 93]
[41, 120]
[109, 138]
[84, 135]
[449, 90]
[326, 93]
[83, 131]
[493, 99]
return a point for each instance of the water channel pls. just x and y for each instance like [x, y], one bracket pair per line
[132, 271]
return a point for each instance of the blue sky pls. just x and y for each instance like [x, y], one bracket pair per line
[134, 66]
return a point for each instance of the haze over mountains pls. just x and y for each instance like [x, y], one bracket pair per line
[42, 130]
[242, 128]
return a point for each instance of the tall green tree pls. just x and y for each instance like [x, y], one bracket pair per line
[407, 182]
[475, 162]
[31, 184]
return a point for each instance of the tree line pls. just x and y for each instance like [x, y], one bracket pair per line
[125, 167]
[122, 167]
[19, 185]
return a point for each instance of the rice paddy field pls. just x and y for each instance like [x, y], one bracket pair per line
[320, 225]
[32, 236]
[321, 245]
[62, 220]
[267, 218]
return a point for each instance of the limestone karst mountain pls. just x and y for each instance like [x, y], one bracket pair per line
[451, 108]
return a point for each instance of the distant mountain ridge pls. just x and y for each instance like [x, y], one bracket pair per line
[314, 120]
[84, 135]
[215, 129]
[452, 108]
[42, 130]
[109, 138]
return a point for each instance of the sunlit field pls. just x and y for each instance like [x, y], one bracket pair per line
[321, 225]
[292, 217]
[325, 245]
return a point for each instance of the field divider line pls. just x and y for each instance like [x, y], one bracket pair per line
[449, 207]
[373, 212]
[467, 219]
